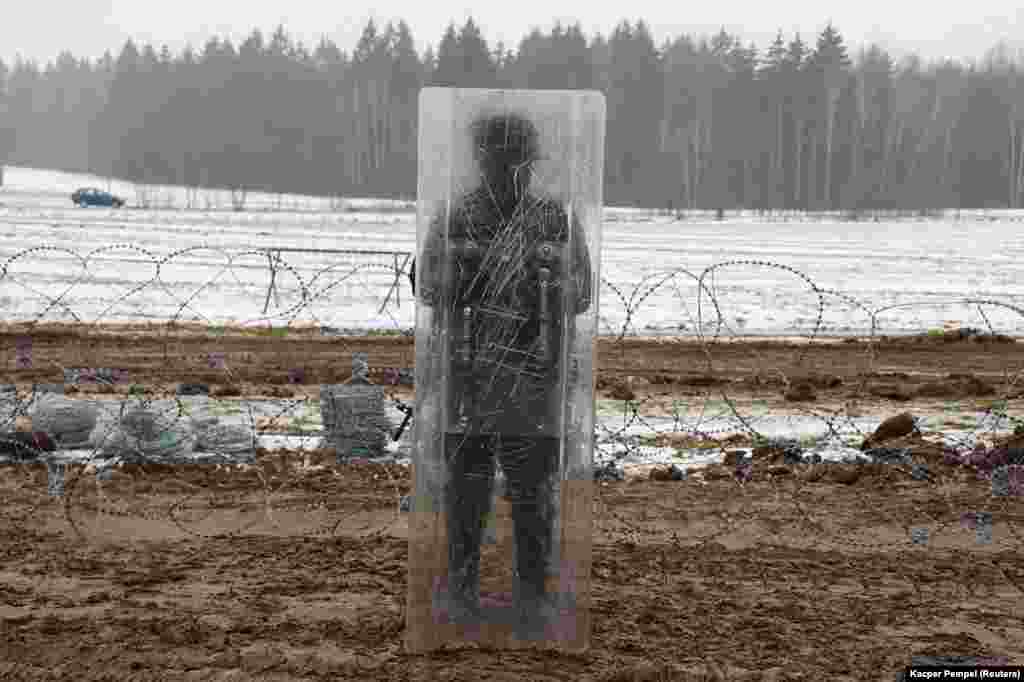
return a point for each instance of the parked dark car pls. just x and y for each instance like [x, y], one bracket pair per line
[90, 196]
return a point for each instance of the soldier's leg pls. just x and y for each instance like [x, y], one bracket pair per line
[530, 464]
[470, 462]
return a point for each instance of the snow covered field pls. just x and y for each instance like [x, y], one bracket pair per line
[199, 264]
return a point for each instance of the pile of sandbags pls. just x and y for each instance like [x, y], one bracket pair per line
[354, 420]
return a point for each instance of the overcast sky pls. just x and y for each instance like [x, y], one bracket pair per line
[41, 28]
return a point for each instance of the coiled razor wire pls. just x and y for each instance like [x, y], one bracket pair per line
[146, 432]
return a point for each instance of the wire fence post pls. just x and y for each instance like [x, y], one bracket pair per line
[395, 286]
[273, 277]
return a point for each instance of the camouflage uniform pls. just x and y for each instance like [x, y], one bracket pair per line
[501, 269]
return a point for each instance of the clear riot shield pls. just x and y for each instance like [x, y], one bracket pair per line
[506, 283]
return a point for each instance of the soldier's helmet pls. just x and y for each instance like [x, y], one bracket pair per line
[506, 138]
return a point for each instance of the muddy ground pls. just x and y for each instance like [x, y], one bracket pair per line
[295, 569]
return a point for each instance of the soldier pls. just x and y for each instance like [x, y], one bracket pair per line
[506, 271]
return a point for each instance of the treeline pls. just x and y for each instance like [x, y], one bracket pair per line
[709, 123]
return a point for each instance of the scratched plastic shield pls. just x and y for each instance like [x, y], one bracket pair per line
[507, 274]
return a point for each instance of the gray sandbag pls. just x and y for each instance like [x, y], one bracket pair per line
[69, 421]
[354, 420]
[145, 431]
[212, 436]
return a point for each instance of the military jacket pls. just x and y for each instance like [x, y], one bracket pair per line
[501, 282]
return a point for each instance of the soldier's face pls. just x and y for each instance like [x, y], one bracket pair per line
[505, 166]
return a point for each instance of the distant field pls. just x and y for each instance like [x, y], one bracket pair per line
[786, 274]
